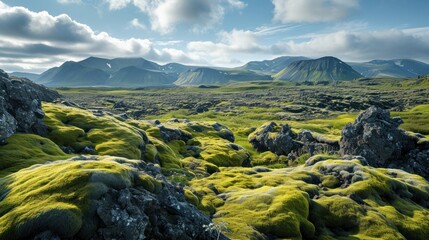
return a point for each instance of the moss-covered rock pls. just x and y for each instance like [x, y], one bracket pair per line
[97, 198]
[80, 129]
[329, 199]
[56, 196]
[25, 150]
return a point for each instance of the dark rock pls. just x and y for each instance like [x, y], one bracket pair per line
[20, 106]
[224, 132]
[379, 140]
[135, 213]
[202, 107]
[120, 104]
[274, 138]
[376, 137]
[170, 134]
[88, 150]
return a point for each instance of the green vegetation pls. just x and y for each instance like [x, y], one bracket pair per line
[416, 119]
[25, 150]
[282, 203]
[276, 199]
[78, 129]
[57, 195]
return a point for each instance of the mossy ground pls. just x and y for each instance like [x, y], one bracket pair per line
[256, 203]
[76, 128]
[306, 202]
[57, 195]
[25, 150]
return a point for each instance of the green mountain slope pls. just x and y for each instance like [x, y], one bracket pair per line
[271, 66]
[214, 76]
[136, 77]
[322, 69]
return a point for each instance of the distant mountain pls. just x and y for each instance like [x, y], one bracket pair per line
[204, 75]
[113, 65]
[73, 74]
[31, 76]
[271, 66]
[175, 69]
[322, 69]
[124, 72]
[137, 77]
[397, 68]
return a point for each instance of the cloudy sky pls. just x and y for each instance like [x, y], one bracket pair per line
[36, 35]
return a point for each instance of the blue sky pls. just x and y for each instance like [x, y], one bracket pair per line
[36, 35]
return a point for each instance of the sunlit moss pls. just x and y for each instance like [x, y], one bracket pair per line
[57, 196]
[79, 128]
[24, 150]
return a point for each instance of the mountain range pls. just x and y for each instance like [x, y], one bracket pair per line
[139, 72]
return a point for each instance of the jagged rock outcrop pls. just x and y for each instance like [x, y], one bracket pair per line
[20, 106]
[377, 137]
[274, 138]
[281, 140]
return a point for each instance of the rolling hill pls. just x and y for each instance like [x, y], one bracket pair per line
[322, 69]
[397, 68]
[205, 75]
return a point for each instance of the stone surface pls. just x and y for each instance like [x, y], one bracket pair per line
[379, 140]
[376, 137]
[281, 140]
[20, 106]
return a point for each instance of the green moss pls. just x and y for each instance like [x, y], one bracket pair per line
[191, 198]
[330, 181]
[222, 153]
[166, 156]
[148, 182]
[25, 150]
[200, 167]
[391, 207]
[279, 211]
[79, 129]
[57, 196]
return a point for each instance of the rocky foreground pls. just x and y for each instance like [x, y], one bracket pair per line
[70, 173]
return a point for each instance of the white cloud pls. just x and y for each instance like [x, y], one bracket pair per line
[136, 23]
[237, 4]
[312, 10]
[362, 45]
[29, 38]
[117, 4]
[165, 15]
[69, 1]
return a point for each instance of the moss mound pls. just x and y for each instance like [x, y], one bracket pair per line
[328, 200]
[25, 150]
[58, 196]
[80, 129]
[207, 141]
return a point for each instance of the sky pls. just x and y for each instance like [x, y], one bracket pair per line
[37, 35]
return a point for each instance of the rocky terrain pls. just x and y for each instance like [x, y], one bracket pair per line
[246, 161]
[20, 106]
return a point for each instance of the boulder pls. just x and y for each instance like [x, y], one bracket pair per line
[376, 137]
[20, 106]
[274, 138]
